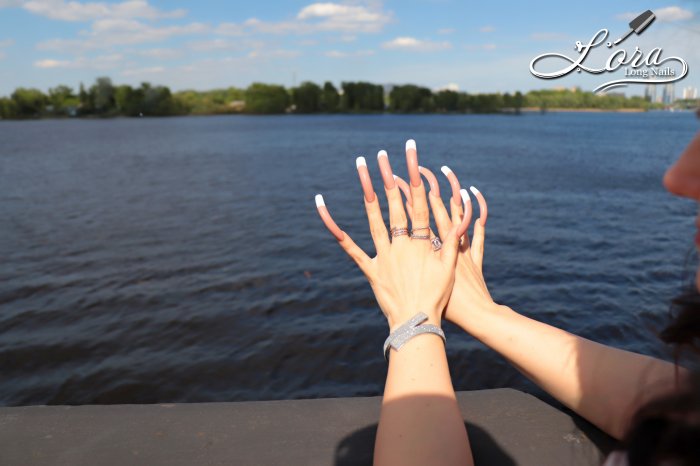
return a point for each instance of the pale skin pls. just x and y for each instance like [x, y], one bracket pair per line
[603, 384]
[420, 421]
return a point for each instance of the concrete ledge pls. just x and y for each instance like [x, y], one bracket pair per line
[506, 427]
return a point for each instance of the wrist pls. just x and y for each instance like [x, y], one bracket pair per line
[433, 319]
[473, 316]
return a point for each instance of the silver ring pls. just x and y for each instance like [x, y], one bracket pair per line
[419, 228]
[398, 231]
[437, 244]
[420, 236]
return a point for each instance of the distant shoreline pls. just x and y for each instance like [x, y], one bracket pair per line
[583, 110]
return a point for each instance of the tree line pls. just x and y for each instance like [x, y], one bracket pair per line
[104, 99]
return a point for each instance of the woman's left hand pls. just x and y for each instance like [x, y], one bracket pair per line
[407, 275]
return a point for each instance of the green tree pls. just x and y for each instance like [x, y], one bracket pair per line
[63, 100]
[266, 98]
[362, 97]
[307, 97]
[330, 99]
[7, 108]
[518, 101]
[410, 98]
[447, 101]
[128, 101]
[86, 101]
[158, 101]
[28, 103]
[103, 95]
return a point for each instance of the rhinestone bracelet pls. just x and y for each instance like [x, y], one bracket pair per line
[408, 330]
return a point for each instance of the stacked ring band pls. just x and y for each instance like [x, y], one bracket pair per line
[420, 236]
[398, 231]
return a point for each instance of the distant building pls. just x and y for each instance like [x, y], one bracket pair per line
[669, 94]
[690, 93]
[650, 92]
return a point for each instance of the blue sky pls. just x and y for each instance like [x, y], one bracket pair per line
[473, 46]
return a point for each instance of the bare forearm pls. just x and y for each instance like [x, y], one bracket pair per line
[420, 422]
[603, 384]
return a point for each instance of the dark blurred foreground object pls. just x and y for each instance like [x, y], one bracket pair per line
[506, 427]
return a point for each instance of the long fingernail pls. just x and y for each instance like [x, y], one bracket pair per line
[454, 182]
[365, 180]
[464, 195]
[327, 219]
[483, 207]
[385, 169]
[404, 188]
[432, 181]
[412, 163]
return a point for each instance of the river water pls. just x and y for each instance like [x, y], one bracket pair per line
[182, 259]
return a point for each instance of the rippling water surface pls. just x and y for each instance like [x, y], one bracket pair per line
[172, 260]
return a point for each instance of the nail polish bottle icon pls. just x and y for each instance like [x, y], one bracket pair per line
[638, 25]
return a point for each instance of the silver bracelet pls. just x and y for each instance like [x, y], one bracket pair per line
[408, 330]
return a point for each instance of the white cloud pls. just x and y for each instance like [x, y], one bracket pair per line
[102, 62]
[481, 47]
[110, 32]
[336, 16]
[161, 54]
[10, 3]
[445, 31]
[230, 29]
[78, 11]
[486, 29]
[340, 54]
[317, 17]
[143, 71]
[214, 44]
[48, 63]
[666, 15]
[413, 44]
[278, 53]
[449, 87]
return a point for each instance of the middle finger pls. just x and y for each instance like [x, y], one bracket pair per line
[397, 214]
[419, 204]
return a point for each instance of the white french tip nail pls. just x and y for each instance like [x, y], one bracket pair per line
[411, 144]
[445, 169]
[474, 190]
[465, 196]
[360, 162]
[319, 201]
[382, 153]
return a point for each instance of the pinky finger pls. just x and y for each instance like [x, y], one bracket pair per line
[483, 208]
[327, 219]
[467, 217]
